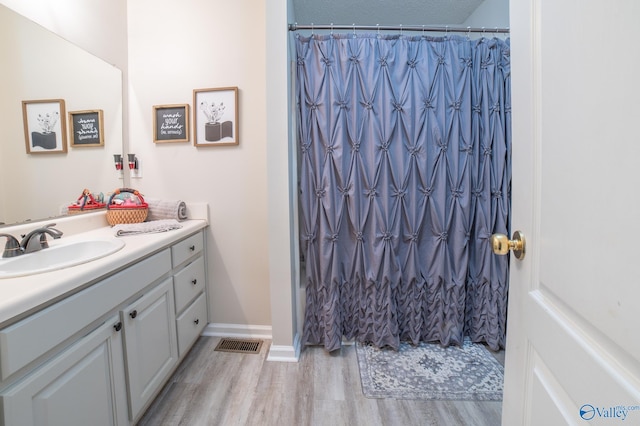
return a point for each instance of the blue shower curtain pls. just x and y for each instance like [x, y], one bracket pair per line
[404, 174]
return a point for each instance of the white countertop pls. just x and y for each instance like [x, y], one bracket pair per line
[26, 294]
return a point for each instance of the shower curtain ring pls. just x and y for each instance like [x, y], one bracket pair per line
[332, 28]
[312, 28]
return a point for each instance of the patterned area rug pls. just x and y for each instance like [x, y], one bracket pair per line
[429, 371]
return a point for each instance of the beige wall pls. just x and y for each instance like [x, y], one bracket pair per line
[173, 49]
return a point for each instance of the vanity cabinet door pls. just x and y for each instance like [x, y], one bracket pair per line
[150, 344]
[80, 386]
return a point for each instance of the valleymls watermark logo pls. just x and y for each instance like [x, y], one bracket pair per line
[617, 412]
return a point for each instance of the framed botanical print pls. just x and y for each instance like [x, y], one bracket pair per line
[45, 130]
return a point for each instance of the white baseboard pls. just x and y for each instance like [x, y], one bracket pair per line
[284, 353]
[237, 330]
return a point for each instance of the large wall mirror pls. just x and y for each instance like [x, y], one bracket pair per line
[39, 65]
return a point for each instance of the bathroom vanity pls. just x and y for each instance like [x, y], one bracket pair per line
[93, 344]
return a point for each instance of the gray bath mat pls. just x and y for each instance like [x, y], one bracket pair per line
[430, 371]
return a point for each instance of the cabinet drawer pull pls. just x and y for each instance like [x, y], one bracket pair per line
[133, 313]
[196, 321]
[118, 326]
[194, 281]
[192, 248]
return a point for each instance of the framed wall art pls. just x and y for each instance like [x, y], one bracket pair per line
[86, 128]
[171, 123]
[216, 116]
[45, 130]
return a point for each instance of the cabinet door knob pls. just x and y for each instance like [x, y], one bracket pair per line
[194, 281]
[196, 321]
[118, 326]
[133, 313]
[192, 248]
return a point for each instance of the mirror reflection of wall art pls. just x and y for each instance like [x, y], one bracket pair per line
[45, 129]
[86, 128]
[216, 116]
[171, 123]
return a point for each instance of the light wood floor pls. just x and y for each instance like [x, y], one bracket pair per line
[219, 388]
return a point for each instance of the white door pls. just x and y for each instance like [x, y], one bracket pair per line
[573, 331]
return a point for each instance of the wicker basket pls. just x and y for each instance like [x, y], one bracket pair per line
[126, 213]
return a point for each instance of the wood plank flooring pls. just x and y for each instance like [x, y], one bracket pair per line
[220, 388]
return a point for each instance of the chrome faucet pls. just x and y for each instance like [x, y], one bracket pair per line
[33, 241]
[12, 247]
[37, 239]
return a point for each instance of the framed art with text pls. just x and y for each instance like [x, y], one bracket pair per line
[171, 123]
[86, 128]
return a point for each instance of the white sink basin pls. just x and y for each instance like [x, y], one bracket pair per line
[59, 256]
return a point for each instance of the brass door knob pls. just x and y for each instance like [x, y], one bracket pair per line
[501, 244]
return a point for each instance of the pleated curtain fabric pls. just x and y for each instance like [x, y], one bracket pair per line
[404, 172]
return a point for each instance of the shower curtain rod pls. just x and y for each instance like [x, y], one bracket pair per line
[431, 28]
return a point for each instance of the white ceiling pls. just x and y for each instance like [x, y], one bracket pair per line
[383, 12]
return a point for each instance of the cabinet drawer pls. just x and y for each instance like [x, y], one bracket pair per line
[187, 248]
[26, 340]
[188, 283]
[191, 323]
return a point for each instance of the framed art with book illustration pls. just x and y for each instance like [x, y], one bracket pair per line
[215, 116]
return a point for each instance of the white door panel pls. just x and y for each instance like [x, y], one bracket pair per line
[573, 352]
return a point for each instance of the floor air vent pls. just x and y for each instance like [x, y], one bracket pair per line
[245, 346]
